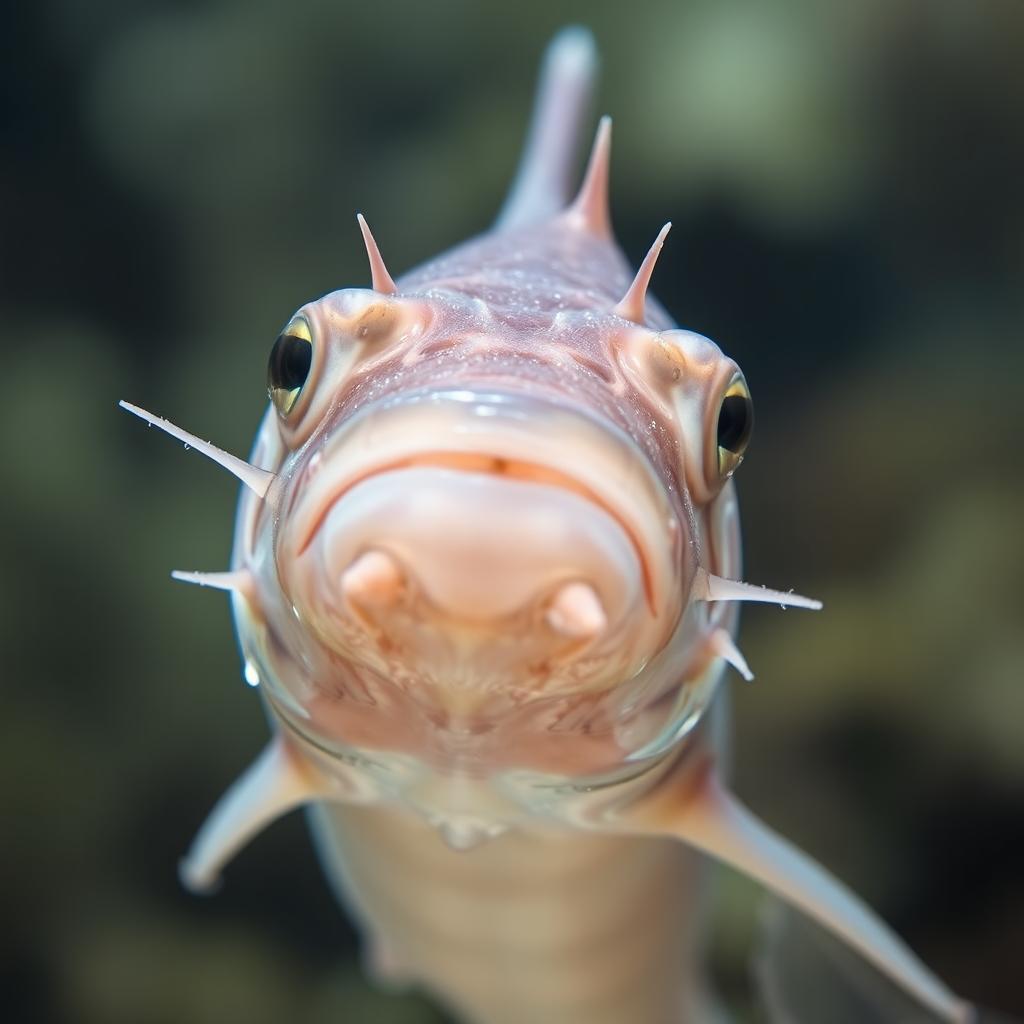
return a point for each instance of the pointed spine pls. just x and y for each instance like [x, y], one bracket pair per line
[708, 587]
[237, 581]
[256, 479]
[724, 647]
[634, 302]
[589, 210]
[379, 276]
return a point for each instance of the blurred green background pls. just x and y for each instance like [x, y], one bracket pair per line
[847, 185]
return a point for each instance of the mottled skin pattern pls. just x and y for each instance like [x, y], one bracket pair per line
[484, 575]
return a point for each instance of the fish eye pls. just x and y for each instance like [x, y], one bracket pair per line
[734, 426]
[289, 365]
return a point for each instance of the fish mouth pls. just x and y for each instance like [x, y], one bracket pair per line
[484, 464]
[504, 436]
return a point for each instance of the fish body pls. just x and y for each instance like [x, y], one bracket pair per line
[471, 864]
[539, 924]
[485, 575]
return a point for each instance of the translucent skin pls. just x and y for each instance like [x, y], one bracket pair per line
[475, 575]
[496, 442]
[454, 709]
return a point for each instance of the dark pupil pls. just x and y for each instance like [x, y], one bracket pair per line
[735, 419]
[290, 359]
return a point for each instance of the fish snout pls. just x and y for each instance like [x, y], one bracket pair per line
[483, 541]
[471, 577]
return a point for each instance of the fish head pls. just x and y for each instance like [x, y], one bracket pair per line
[485, 536]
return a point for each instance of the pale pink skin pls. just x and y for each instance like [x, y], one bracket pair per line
[471, 582]
[603, 503]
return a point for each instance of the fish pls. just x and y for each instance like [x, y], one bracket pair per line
[485, 579]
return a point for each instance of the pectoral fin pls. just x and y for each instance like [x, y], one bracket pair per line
[709, 818]
[277, 782]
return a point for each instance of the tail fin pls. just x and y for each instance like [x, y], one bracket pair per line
[540, 188]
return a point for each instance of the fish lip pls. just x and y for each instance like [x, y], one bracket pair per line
[431, 459]
[475, 418]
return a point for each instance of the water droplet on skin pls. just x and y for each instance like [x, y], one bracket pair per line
[464, 835]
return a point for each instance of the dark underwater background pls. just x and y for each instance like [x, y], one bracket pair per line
[846, 181]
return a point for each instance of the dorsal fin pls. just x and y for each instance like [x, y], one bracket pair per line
[541, 185]
[633, 303]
